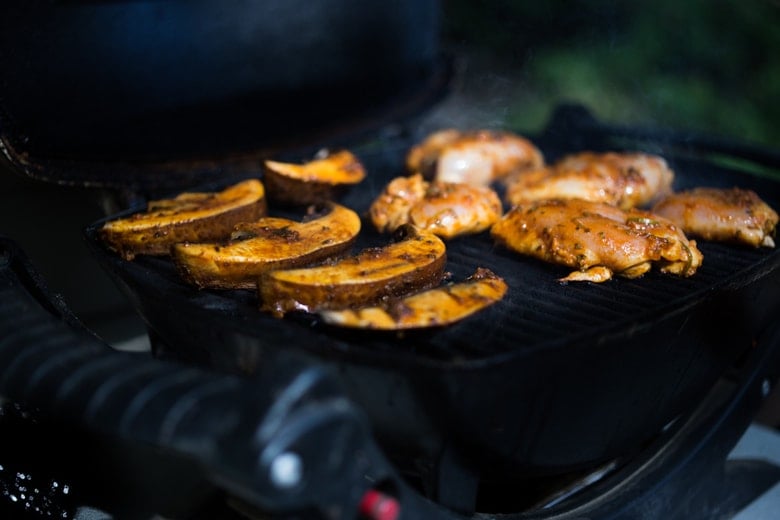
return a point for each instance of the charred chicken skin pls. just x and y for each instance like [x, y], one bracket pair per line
[477, 157]
[625, 180]
[445, 209]
[596, 239]
[727, 215]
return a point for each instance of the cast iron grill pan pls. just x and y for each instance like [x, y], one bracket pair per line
[553, 377]
[538, 311]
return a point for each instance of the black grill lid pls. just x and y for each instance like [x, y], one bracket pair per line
[176, 93]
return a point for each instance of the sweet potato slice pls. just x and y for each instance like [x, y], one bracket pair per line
[321, 179]
[266, 244]
[192, 216]
[414, 263]
[432, 308]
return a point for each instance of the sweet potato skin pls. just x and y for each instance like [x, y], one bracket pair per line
[190, 217]
[436, 307]
[265, 244]
[314, 182]
[415, 263]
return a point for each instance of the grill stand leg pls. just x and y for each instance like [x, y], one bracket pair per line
[456, 485]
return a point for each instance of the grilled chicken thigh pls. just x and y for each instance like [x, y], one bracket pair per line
[446, 209]
[598, 240]
[626, 180]
[728, 215]
[477, 157]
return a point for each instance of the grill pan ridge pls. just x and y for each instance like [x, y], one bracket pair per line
[510, 389]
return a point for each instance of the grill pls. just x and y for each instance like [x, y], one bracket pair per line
[579, 400]
[465, 414]
[539, 312]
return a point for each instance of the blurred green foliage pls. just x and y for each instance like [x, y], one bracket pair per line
[708, 66]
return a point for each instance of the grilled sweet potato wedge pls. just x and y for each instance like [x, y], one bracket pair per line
[432, 308]
[321, 179]
[413, 263]
[266, 244]
[188, 217]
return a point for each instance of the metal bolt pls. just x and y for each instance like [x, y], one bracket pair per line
[286, 470]
[766, 387]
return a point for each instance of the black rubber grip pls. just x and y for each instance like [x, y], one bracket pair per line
[233, 426]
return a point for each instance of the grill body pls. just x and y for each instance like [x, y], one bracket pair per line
[552, 379]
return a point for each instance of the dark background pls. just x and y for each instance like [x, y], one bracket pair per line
[710, 66]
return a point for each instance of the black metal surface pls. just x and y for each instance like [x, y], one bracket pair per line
[684, 474]
[553, 378]
[159, 93]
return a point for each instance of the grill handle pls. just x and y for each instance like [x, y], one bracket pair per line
[287, 440]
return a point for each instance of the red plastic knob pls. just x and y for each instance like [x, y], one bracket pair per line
[379, 506]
